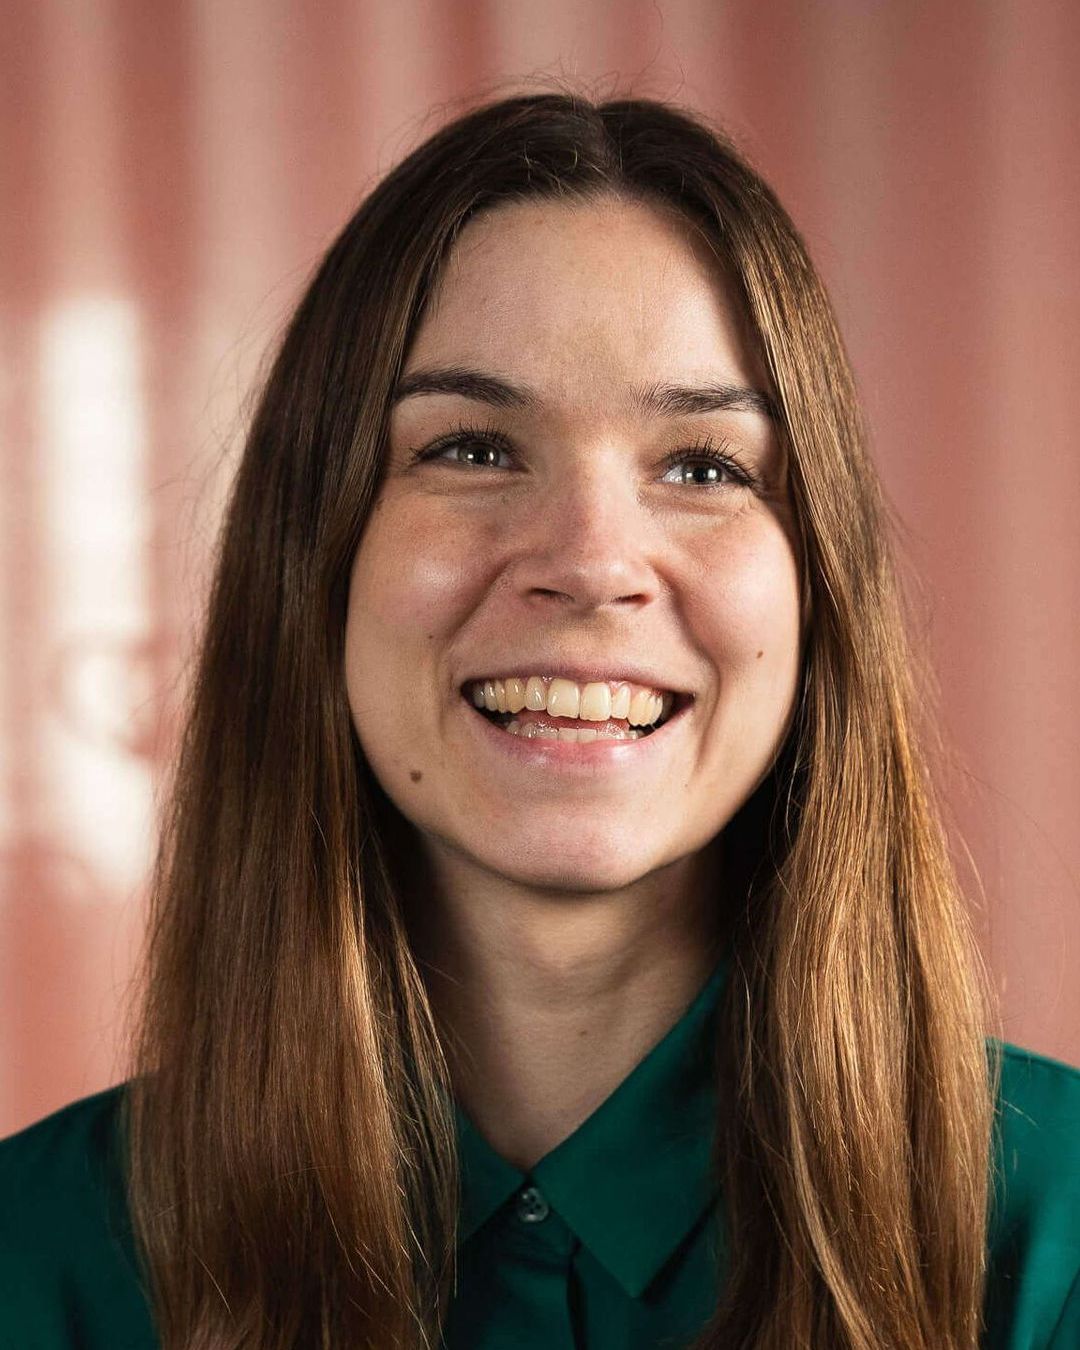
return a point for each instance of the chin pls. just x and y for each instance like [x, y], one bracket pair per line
[578, 871]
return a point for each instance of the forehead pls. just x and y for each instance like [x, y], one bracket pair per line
[579, 297]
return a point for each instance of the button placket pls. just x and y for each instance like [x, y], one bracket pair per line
[530, 1205]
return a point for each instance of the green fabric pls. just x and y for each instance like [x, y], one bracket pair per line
[626, 1256]
[616, 1243]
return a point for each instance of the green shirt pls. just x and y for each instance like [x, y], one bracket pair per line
[613, 1241]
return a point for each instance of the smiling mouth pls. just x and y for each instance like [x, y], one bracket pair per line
[540, 707]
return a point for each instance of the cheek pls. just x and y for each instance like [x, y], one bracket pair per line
[414, 582]
[411, 579]
[747, 614]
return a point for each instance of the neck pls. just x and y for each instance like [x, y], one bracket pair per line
[547, 1000]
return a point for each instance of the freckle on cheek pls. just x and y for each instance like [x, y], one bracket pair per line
[415, 775]
[760, 655]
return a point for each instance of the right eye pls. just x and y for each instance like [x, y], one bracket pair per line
[471, 447]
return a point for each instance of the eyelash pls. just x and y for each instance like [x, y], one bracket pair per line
[705, 448]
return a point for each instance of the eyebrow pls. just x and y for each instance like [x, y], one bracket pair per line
[670, 400]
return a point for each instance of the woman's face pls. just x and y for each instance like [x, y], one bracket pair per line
[550, 518]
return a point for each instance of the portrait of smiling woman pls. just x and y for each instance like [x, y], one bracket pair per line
[554, 941]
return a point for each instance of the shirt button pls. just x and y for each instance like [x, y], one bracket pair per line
[530, 1206]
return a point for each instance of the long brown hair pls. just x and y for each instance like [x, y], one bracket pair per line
[289, 1123]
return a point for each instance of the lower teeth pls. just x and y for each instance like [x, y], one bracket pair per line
[531, 731]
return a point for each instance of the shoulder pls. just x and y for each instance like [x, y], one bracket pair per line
[63, 1150]
[1034, 1249]
[67, 1269]
[1037, 1139]
[1038, 1104]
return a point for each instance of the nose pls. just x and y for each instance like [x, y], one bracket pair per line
[588, 543]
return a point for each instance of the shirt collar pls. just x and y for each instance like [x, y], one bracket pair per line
[635, 1177]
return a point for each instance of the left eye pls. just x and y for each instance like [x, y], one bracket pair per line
[702, 471]
[708, 466]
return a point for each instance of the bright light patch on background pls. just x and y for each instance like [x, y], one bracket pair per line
[97, 526]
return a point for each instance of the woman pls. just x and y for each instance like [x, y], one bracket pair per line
[553, 940]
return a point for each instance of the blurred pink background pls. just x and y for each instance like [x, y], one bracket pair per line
[170, 173]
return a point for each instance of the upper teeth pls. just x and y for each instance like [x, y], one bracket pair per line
[594, 702]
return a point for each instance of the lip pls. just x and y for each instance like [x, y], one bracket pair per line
[589, 758]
